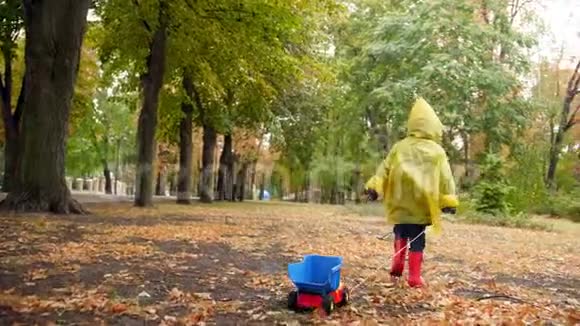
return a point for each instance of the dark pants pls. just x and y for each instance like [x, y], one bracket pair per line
[410, 232]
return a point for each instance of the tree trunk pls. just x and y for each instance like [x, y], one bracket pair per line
[221, 181]
[333, 196]
[52, 57]
[307, 189]
[151, 83]
[184, 181]
[229, 184]
[161, 183]
[117, 165]
[232, 180]
[253, 176]
[10, 157]
[466, 153]
[11, 122]
[108, 181]
[357, 180]
[556, 147]
[209, 142]
[567, 121]
[241, 182]
[262, 186]
[255, 167]
[225, 170]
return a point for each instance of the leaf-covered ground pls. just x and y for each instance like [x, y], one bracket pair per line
[226, 264]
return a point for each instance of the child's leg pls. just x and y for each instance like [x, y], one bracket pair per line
[400, 246]
[416, 254]
[419, 244]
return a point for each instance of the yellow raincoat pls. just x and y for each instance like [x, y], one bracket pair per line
[415, 179]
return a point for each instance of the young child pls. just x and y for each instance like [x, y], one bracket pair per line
[416, 184]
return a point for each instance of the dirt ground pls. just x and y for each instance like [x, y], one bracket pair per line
[226, 264]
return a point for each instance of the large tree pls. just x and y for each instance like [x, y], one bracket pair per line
[135, 40]
[11, 23]
[184, 179]
[54, 35]
[568, 118]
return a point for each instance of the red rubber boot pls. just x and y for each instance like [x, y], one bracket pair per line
[399, 258]
[415, 260]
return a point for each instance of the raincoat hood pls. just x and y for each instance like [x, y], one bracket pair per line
[423, 122]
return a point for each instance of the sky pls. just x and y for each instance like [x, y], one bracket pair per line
[562, 20]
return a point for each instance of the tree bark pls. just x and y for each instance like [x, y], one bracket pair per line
[184, 181]
[225, 177]
[567, 121]
[357, 186]
[10, 157]
[209, 142]
[262, 188]
[52, 56]
[11, 121]
[161, 183]
[253, 176]
[465, 137]
[241, 182]
[151, 83]
[221, 182]
[556, 145]
[232, 178]
[108, 181]
[117, 165]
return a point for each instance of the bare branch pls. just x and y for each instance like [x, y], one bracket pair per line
[517, 6]
[574, 81]
[572, 120]
[145, 23]
[514, 9]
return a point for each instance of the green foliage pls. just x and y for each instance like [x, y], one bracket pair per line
[11, 23]
[87, 81]
[436, 49]
[242, 55]
[558, 204]
[526, 173]
[491, 192]
[567, 174]
[101, 136]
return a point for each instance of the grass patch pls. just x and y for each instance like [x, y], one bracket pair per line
[376, 209]
[519, 221]
[465, 214]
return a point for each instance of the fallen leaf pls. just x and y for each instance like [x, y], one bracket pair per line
[204, 296]
[118, 308]
[170, 319]
[175, 294]
[9, 291]
[195, 318]
[574, 317]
